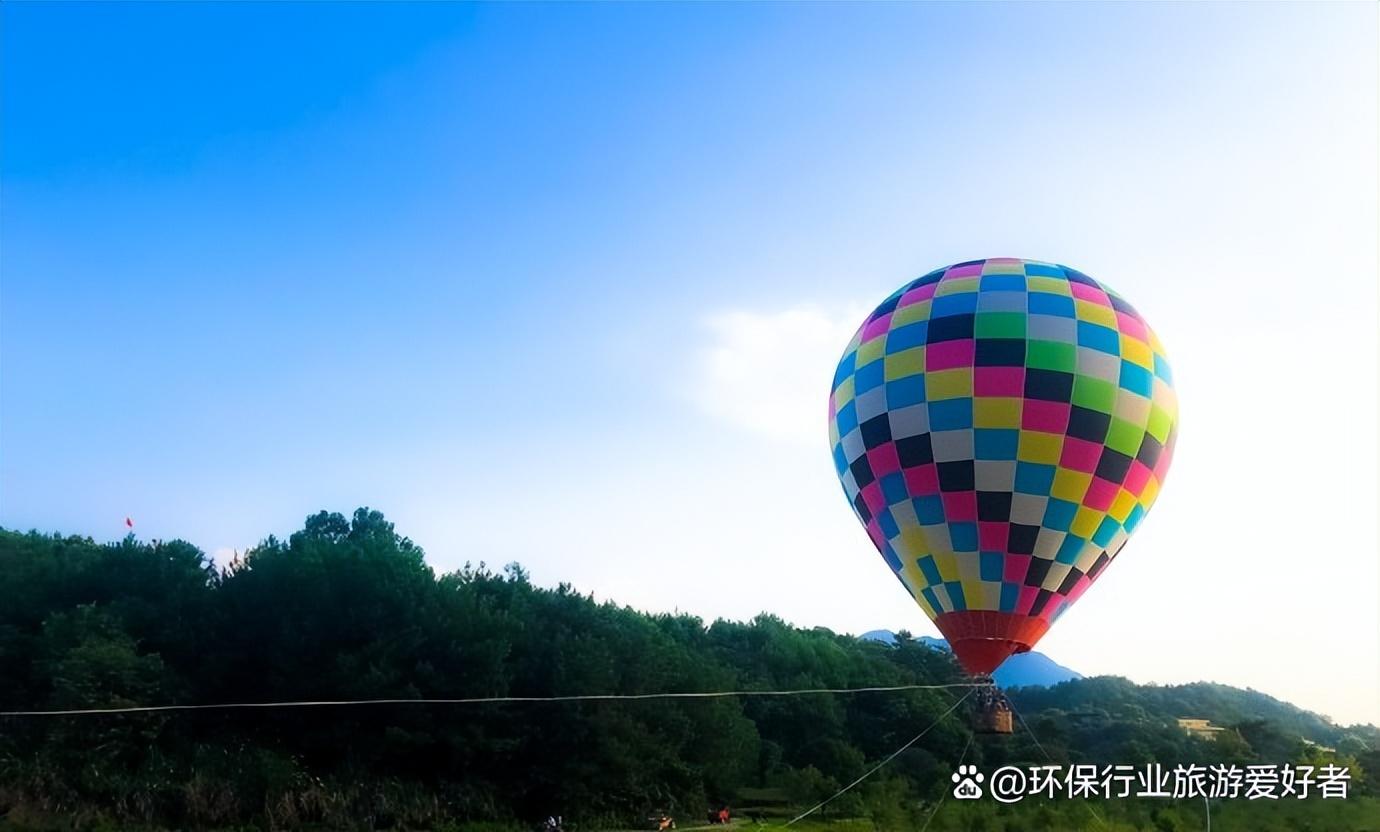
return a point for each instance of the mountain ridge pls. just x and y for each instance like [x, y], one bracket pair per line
[1021, 670]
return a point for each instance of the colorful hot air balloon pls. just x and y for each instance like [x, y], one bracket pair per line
[1000, 427]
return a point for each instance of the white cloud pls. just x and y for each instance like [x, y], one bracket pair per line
[769, 372]
[225, 554]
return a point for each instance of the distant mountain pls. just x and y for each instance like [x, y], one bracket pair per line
[1021, 670]
[884, 636]
[1032, 668]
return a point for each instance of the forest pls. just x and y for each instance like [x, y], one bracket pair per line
[348, 609]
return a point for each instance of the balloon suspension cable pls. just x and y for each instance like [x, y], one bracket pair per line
[1050, 758]
[943, 795]
[893, 755]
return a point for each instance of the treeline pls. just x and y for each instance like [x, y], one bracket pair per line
[347, 609]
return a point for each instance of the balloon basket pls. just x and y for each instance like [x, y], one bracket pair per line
[992, 711]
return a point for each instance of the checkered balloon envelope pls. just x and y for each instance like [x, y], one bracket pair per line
[1000, 428]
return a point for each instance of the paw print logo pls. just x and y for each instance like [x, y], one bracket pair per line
[966, 781]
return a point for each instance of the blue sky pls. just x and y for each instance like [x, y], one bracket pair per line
[565, 284]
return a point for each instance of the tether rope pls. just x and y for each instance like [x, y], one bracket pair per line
[945, 795]
[594, 697]
[893, 756]
[1036, 739]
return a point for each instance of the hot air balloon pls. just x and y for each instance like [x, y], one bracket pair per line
[1001, 427]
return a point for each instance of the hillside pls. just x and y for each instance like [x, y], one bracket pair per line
[347, 609]
[1222, 704]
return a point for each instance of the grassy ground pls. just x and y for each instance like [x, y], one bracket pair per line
[1356, 814]
[807, 825]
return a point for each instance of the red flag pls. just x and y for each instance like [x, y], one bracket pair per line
[129, 522]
